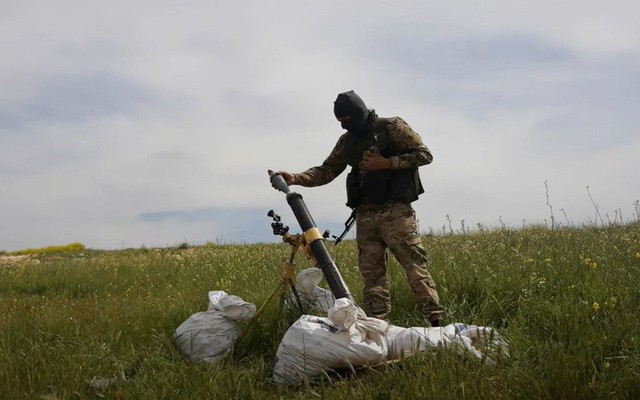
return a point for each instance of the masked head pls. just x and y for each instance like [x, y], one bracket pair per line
[351, 111]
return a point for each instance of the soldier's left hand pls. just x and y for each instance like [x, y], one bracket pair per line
[374, 161]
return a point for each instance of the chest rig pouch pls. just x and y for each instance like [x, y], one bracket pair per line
[378, 187]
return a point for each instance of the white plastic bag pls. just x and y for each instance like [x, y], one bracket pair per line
[313, 344]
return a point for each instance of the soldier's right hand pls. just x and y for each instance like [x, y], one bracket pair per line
[288, 177]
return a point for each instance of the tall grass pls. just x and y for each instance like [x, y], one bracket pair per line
[566, 300]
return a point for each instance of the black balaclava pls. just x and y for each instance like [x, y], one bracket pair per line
[351, 105]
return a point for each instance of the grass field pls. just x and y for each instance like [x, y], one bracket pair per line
[567, 301]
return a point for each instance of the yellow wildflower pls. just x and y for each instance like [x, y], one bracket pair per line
[593, 265]
[638, 255]
[548, 260]
[595, 306]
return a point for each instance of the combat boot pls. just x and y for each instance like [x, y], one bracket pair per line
[434, 313]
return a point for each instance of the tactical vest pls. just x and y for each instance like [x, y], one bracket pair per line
[378, 187]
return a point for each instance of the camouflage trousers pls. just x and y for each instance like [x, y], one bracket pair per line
[393, 226]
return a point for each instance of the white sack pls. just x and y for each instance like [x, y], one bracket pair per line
[231, 306]
[206, 336]
[313, 345]
[478, 340]
[481, 340]
[214, 299]
[323, 299]
[313, 297]
[308, 279]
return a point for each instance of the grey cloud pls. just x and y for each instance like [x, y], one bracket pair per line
[477, 74]
[590, 101]
[509, 72]
[233, 224]
[470, 58]
[583, 129]
[76, 98]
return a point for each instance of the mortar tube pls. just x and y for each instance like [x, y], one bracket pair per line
[318, 248]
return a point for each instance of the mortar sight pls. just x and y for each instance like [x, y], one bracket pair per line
[278, 227]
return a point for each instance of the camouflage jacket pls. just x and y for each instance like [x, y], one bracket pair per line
[412, 153]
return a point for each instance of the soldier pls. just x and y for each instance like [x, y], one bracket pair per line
[384, 155]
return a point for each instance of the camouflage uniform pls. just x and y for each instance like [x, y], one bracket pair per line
[390, 225]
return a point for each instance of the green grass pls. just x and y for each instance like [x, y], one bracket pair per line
[566, 300]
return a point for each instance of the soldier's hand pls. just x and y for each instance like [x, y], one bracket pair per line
[288, 177]
[374, 161]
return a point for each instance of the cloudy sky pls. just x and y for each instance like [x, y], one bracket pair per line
[153, 123]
